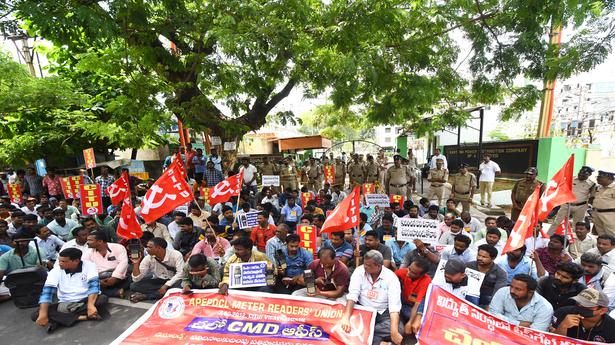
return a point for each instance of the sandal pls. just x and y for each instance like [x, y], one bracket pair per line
[137, 297]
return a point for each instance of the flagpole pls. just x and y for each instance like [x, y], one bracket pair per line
[357, 246]
[567, 226]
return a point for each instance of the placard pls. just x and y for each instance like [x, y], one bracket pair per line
[248, 274]
[307, 238]
[329, 172]
[369, 188]
[91, 199]
[409, 229]
[230, 146]
[271, 180]
[15, 194]
[398, 199]
[247, 220]
[89, 158]
[380, 200]
[216, 141]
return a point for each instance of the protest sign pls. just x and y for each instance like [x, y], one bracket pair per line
[230, 146]
[307, 238]
[305, 197]
[409, 229]
[216, 141]
[329, 172]
[247, 220]
[208, 318]
[451, 320]
[75, 183]
[369, 188]
[271, 180]
[15, 194]
[91, 199]
[248, 274]
[380, 200]
[397, 199]
[89, 158]
[66, 188]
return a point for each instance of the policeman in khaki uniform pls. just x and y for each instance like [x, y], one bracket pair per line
[288, 175]
[355, 171]
[397, 178]
[582, 188]
[463, 186]
[437, 177]
[313, 172]
[603, 204]
[371, 170]
[522, 191]
[340, 173]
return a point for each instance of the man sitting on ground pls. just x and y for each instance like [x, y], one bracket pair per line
[111, 262]
[297, 260]
[448, 237]
[77, 286]
[559, 288]
[460, 250]
[372, 243]
[495, 276]
[164, 264]
[331, 277]
[244, 252]
[414, 283]
[200, 272]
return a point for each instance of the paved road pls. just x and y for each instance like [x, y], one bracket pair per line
[17, 325]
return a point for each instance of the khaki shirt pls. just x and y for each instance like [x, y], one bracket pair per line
[355, 170]
[398, 176]
[269, 169]
[371, 171]
[604, 198]
[463, 183]
[523, 189]
[582, 189]
[438, 174]
[313, 171]
[412, 163]
[340, 171]
[286, 171]
[382, 162]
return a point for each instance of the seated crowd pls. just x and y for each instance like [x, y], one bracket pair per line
[543, 285]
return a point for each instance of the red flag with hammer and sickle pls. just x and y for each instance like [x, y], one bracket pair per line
[118, 189]
[345, 215]
[224, 190]
[524, 227]
[168, 192]
[128, 227]
[558, 190]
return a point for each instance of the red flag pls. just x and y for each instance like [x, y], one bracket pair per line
[128, 227]
[168, 192]
[561, 230]
[345, 215]
[524, 227]
[558, 190]
[224, 190]
[119, 189]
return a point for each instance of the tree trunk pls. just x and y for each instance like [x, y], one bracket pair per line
[133, 154]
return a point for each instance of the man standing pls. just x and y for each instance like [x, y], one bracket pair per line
[198, 164]
[603, 204]
[373, 285]
[356, 174]
[382, 166]
[520, 305]
[212, 175]
[438, 156]
[214, 158]
[413, 166]
[163, 266]
[314, 172]
[53, 186]
[397, 178]
[582, 188]
[495, 277]
[77, 286]
[249, 175]
[32, 183]
[340, 173]
[437, 177]
[105, 180]
[288, 175]
[488, 169]
[371, 170]
[189, 156]
[463, 187]
[522, 190]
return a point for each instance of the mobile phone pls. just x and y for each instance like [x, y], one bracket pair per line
[135, 250]
[310, 281]
[270, 277]
[281, 259]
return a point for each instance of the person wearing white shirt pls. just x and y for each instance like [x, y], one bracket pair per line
[437, 155]
[471, 225]
[583, 240]
[249, 175]
[488, 169]
[214, 158]
[373, 285]
[79, 241]
[493, 238]
[271, 198]
[174, 226]
[597, 277]
[456, 228]
[48, 242]
[605, 247]
[61, 226]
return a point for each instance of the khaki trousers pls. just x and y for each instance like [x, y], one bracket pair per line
[485, 188]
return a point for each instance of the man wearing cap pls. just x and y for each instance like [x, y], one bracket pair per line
[413, 165]
[582, 188]
[356, 174]
[288, 175]
[437, 177]
[522, 191]
[314, 172]
[340, 173]
[397, 178]
[463, 187]
[603, 204]
[588, 320]
[371, 170]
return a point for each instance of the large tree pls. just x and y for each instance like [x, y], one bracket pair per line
[224, 65]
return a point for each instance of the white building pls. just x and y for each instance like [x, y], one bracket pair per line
[386, 135]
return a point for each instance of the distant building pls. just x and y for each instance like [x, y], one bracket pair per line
[386, 135]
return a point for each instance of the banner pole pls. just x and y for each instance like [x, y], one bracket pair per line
[357, 246]
[567, 226]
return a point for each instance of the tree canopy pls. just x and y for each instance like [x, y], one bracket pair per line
[225, 65]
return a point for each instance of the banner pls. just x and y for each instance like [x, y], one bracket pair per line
[248, 274]
[329, 171]
[89, 158]
[75, 183]
[91, 199]
[307, 238]
[251, 318]
[215, 141]
[247, 220]
[230, 146]
[119, 189]
[398, 199]
[453, 321]
[66, 187]
[168, 192]
[270, 180]
[204, 193]
[369, 188]
[305, 197]
[409, 229]
[15, 194]
[380, 200]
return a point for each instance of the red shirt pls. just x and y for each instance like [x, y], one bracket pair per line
[340, 276]
[413, 291]
[189, 156]
[53, 185]
[260, 236]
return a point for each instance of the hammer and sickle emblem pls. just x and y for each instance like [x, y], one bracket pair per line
[221, 189]
[148, 201]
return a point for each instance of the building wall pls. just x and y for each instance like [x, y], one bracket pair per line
[386, 135]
